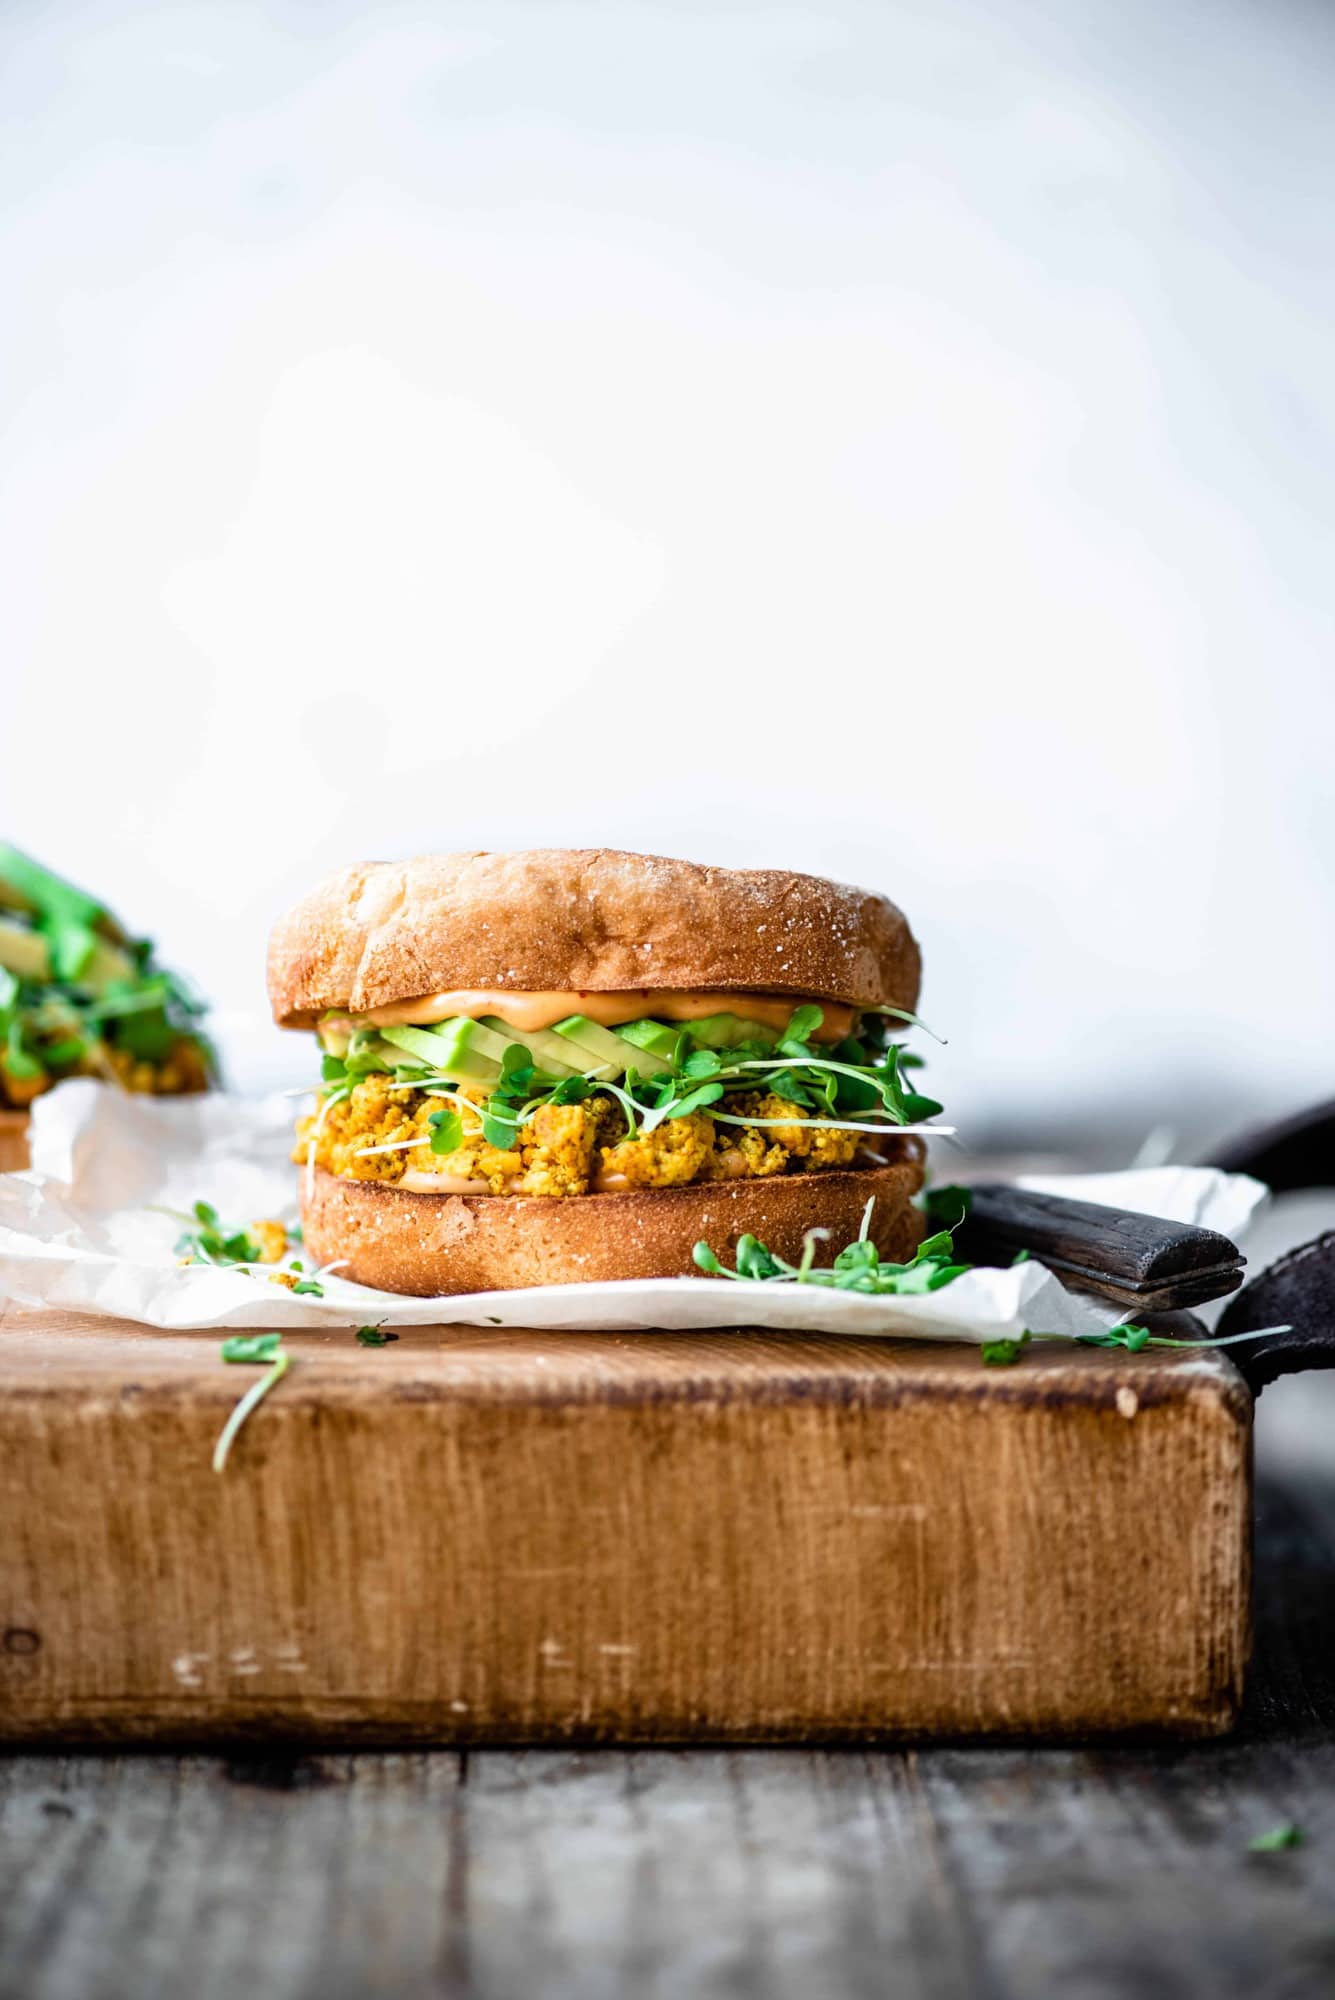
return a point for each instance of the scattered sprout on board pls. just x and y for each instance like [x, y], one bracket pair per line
[374, 1336]
[1277, 1839]
[261, 1348]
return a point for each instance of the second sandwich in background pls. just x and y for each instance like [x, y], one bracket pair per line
[546, 1067]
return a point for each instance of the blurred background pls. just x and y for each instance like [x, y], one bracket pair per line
[888, 439]
[893, 440]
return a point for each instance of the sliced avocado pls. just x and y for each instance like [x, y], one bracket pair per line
[728, 1031]
[451, 1054]
[107, 964]
[472, 1038]
[24, 952]
[655, 1036]
[548, 1051]
[334, 1036]
[608, 1054]
[364, 1052]
[33, 887]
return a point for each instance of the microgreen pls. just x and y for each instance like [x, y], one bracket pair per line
[253, 1348]
[447, 1131]
[374, 1336]
[206, 1240]
[497, 1129]
[20, 1062]
[1276, 1839]
[857, 1268]
[1003, 1353]
[696, 1100]
[947, 1207]
[1132, 1338]
[801, 1028]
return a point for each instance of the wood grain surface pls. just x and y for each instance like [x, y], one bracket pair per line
[938, 1873]
[473, 1536]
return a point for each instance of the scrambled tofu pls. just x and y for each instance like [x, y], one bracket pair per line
[180, 1074]
[813, 1146]
[270, 1238]
[675, 1152]
[565, 1149]
[558, 1146]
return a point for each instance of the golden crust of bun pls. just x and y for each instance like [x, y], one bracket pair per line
[582, 920]
[428, 1244]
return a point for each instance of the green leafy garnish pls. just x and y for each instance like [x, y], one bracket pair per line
[1132, 1338]
[801, 1027]
[374, 1336]
[250, 1347]
[857, 1268]
[947, 1207]
[697, 1099]
[1277, 1839]
[206, 1240]
[1003, 1353]
[77, 991]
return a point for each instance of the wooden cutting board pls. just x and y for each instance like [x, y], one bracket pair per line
[472, 1536]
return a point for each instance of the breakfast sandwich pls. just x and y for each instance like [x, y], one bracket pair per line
[554, 1066]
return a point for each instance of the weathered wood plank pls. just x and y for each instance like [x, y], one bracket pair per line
[710, 1873]
[1001, 1873]
[474, 1537]
[586, 1876]
[167, 1875]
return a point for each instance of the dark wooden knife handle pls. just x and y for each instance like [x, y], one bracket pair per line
[1140, 1261]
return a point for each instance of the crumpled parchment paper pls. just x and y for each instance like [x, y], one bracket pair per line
[79, 1232]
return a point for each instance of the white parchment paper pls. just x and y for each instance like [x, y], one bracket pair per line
[79, 1231]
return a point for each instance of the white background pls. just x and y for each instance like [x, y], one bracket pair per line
[894, 440]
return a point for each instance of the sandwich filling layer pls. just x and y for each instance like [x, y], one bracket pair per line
[520, 1103]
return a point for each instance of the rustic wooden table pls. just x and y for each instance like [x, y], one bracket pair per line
[936, 1871]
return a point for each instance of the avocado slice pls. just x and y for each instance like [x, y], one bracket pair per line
[107, 965]
[449, 1048]
[608, 1054]
[33, 887]
[548, 1051]
[365, 1051]
[23, 952]
[334, 1035]
[656, 1036]
[728, 1031]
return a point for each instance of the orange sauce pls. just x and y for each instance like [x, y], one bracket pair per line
[530, 1011]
